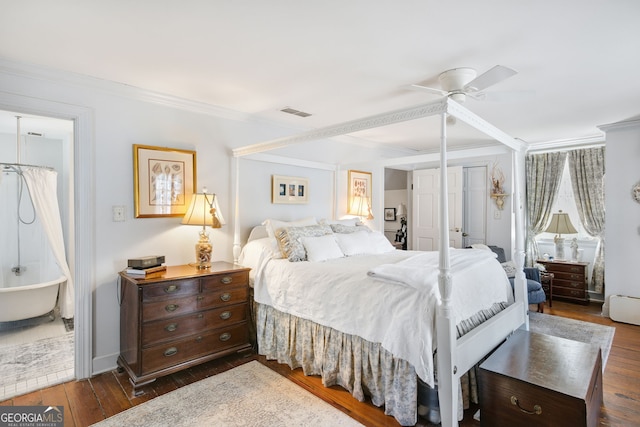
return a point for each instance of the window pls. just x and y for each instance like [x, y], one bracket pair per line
[565, 202]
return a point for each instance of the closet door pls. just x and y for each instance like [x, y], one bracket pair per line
[475, 206]
[426, 188]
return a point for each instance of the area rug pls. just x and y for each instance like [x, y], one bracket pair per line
[24, 362]
[577, 330]
[249, 395]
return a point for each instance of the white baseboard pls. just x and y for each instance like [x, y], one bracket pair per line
[104, 364]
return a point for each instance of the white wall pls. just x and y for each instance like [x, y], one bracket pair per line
[119, 117]
[622, 250]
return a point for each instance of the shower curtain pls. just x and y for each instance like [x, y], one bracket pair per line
[43, 189]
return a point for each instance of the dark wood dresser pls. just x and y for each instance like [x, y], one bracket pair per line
[569, 280]
[182, 318]
[540, 380]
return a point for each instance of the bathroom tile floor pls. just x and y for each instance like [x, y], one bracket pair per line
[34, 354]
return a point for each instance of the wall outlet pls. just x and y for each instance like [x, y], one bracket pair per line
[497, 214]
[118, 213]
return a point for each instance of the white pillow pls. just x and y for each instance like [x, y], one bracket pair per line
[379, 243]
[481, 246]
[273, 225]
[354, 243]
[321, 248]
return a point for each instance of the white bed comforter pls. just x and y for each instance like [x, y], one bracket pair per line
[388, 298]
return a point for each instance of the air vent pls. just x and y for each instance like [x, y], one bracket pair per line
[295, 112]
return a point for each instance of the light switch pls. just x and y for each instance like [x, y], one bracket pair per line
[118, 213]
[497, 214]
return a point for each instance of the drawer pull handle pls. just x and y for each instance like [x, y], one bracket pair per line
[170, 351]
[198, 339]
[171, 289]
[225, 337]
[226, 280]
[171, 307]
[200, 298]
[200, 316]
[225, 297]
[225, 315]
[537, 409]
[171, 327]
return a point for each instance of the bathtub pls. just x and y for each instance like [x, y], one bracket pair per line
[24, 296]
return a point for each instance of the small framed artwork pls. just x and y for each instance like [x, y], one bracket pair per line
[164, 181]
[359, 191]
[389, 214]
[289, 189]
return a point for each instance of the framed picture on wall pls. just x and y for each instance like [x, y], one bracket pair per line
[359, 192]
[164, 179]
[289, 189]
[389, 214]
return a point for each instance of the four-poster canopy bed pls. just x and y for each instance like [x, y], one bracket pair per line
[454, 356]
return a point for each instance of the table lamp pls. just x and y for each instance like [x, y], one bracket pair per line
[560, 224]
[361, 206]
[204, 210]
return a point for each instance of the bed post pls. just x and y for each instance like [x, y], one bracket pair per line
[445, 322]
[236, 215]
[520, 285]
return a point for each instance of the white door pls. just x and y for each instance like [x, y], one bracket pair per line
[426, 187]
[474, 228]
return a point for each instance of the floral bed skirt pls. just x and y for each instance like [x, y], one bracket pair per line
[359, 366]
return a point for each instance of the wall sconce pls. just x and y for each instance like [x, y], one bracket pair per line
[204, 210]
[497, 186]
[560, 224]
[361, 206]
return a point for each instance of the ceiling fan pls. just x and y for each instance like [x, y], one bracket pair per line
[458, 83]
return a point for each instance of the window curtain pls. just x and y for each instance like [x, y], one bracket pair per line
[586, 168]
[43, 189]
[543, 174]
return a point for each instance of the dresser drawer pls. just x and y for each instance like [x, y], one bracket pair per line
[169, 308]
[569, 292]
[170, 289]
[178, 327]
[569, 284]
[213, 283]
[565, 268]
[175, 352]
[223, 296]
[577, 277]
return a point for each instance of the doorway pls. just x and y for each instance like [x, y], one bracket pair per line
[37, 351]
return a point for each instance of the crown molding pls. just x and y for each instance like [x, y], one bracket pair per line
[567, 144]
[82, 81]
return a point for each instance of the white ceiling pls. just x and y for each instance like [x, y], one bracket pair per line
[340, 60]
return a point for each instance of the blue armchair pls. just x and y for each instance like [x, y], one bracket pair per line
[535, 293]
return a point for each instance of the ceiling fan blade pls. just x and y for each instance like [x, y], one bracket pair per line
[427, 89]
[489, 78]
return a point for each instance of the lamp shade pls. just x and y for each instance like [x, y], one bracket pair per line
[561, 224]
[202, 211]
[361, 206]
[402, 210]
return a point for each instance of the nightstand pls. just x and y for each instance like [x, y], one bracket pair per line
[569, 280]
[185, 317]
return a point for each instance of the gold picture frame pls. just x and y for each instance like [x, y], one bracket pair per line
[164, 179]
[289, 189]
[359, 186]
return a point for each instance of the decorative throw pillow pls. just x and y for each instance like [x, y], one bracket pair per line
[509, 268]
[321, 248]
[273, 225]
[348, 221]
[347, 229]
[289, 239]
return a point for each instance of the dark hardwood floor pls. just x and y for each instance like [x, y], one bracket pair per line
[91, 400]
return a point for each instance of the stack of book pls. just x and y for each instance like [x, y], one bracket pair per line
[146, 273]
